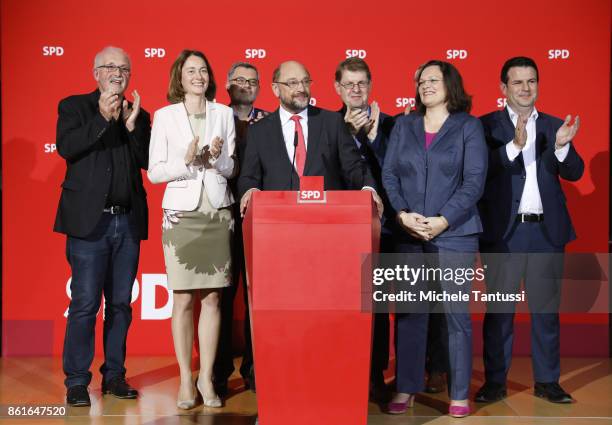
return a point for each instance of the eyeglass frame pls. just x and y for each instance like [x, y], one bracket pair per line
[110, 68]
[293, 85]
[245, 81]
[431, 81]
[351, 86]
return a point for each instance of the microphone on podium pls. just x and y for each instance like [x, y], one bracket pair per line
[295, 143]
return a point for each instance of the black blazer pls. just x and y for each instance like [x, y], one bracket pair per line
[506, 180]
[81, 130]
[373, 152]
[331, 153]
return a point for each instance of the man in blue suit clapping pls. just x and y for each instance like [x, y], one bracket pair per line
[526, 226]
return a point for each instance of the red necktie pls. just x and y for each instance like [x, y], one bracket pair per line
[300, 150]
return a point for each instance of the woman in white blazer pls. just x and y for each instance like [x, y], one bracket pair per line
[191, 150]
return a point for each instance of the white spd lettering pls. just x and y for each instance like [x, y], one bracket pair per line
[255, 53]
[154, 52]
[558, 54]
[456, 54]
[356, 53]
[53, 50]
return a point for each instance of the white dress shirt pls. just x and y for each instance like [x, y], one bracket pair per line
[531, 202]
[288, 126]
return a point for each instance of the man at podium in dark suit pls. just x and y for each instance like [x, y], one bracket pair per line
[299, 140]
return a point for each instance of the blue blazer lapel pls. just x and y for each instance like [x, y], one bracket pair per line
[450, 123]
[540, 140]
[418, 128]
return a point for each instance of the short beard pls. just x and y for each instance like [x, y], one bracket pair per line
[295, 105]
[239, 96]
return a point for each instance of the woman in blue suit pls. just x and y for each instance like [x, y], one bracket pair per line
[434, 173]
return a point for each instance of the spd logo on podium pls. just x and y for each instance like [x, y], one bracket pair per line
[311, 190]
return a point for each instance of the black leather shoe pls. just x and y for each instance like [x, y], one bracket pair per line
[379, 392]
[436, 383]
[552, 392]
[78, 396]
[249, 380]
[221, 388]
[490, 392]
[118, 387]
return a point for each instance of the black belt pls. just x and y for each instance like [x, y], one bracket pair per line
[117, 209]
[532, 218]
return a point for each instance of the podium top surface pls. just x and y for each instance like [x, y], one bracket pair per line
[346, 207]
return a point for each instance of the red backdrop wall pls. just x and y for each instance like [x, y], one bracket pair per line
[47, 54]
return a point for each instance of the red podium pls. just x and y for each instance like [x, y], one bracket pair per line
[311, 342]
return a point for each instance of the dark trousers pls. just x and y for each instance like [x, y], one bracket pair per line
[105, 262]
[529, 256]
[437, 344]
[411, 328]
[381, 325]
[224, 361]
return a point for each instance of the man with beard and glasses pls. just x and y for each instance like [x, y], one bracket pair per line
[103, 212]
[267, 163]
[243, 88]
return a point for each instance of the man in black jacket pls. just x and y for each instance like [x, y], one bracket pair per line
[103, 212]
[243, 88]
[370, 129]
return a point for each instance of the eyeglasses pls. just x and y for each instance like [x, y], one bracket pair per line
[431, 81]
[351, 86]
[294, 84]
[112, 68]
[253, 82]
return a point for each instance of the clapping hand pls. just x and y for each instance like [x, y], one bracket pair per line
[372, 126]
[520, 132]
[130, 114]
[215, 147]
[192, 151]
[109, 104]
[356, 119]
[566, 132]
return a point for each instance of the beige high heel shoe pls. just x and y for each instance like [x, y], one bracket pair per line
[188, 404]
[209, 402]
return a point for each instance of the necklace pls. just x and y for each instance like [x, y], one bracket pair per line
[199, 120]
[198, 123]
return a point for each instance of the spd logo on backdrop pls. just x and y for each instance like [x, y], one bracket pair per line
[53, 51]
[402, 102]
[149, 309]
[558, 54]
[356, 53]
[456, 54]
[154, 52]
[255, 53]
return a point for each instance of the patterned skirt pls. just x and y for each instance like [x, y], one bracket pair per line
[197, 246]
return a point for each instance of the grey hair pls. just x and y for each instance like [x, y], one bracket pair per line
[237, 65]
[101, 53]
